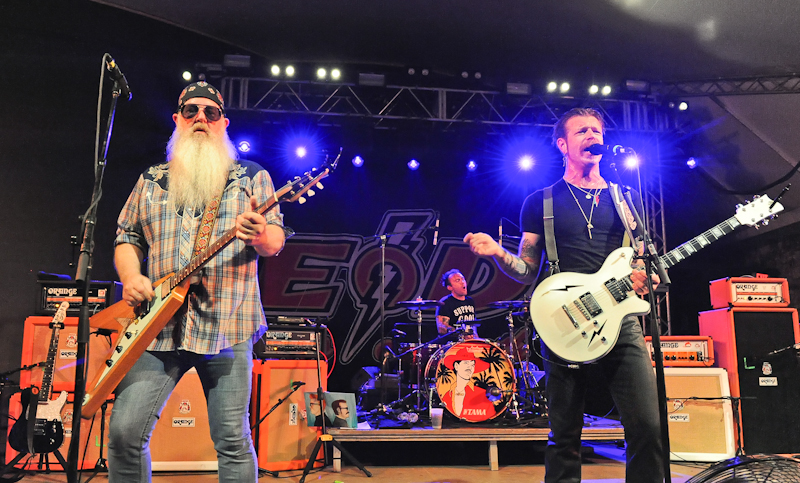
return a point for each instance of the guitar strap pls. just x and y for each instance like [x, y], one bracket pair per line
[623, 210]
[201, 243]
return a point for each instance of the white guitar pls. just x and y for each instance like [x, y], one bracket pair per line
[578, 316]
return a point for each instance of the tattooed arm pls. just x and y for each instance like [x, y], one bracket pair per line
[522, 267]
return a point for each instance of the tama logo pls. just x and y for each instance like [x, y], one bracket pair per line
[62, 291]
[182, 422]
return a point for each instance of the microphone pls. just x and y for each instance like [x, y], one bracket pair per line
[119, 78]
[606, 149]
[494, 391]
[500, 233]
[436, 230]
[297, 384]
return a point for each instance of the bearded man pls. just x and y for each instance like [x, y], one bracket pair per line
[175, 210]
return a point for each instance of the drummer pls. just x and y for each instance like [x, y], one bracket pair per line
[458, 308]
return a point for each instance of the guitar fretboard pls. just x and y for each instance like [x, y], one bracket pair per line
[699, 242]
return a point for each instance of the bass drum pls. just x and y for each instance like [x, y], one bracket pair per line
[474, 379]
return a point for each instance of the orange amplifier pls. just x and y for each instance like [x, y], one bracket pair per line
[749, 292]
[684, 350]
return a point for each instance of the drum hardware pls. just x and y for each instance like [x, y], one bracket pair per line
[419, 305]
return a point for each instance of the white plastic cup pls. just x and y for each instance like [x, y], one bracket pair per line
[436, 417]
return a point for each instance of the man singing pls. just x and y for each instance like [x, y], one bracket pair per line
[176, 209]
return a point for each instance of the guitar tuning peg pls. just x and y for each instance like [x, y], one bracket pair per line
[301, 200]
[319, 185]
[739, 206]
[311, 193]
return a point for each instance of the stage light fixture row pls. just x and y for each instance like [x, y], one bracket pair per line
[277, 71]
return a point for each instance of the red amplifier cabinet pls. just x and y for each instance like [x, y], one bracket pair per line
[749, 292]
[684, 350]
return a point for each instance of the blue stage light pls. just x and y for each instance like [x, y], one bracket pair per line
[358, 161]
[472, 165]
[525, 162]
[244, 147]
[413, 165]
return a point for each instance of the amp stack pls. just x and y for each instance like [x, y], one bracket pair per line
[755, 332]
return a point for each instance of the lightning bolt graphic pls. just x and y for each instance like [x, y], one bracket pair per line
[597, 332]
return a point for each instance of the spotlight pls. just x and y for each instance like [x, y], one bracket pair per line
[321, 73]
[478, 75]
[289, 71]
[275, 69]
[594, 89]
[336, 74]
[683, 105]
[631, 161]
[301, 151]
[365, 79]
[425, 72]
[552, 86]
[606, 90]
[187, 76]
[525, 162]
[632, 85]
[465, 75]
[564, 88]
[691, 163]
[472, 165]
[413, 165]
[411, 71]
[358, 161]
[518, 88]
[244, 147]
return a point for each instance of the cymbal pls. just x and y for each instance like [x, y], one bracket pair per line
[421, 304]
[509, 304]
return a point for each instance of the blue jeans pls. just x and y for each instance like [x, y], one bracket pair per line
[143, 392]
[628, 372]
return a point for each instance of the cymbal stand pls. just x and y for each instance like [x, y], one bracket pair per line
[512, 354]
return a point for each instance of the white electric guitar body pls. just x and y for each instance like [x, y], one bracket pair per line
[579, 316]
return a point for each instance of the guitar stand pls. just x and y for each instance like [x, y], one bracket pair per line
[44, 461]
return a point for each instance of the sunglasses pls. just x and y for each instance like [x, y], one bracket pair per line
[189, 111]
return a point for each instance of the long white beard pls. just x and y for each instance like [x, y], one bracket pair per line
[199, 166]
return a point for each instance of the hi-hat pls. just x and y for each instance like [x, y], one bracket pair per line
[509, 304]
[421, 304]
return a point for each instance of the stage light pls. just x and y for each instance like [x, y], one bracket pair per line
[631, 161]
[683, 105]
[187, 76]
[606, 90]
[411, 71]
[425, 72]
[300, 152]
[413, 165]
[275, 69]
[691, 163]
[525, 162]
[478, 75]
[336, 74]
[594, 89]
[289, 70]
[518, 88]
[472, 165]
[244, 147]
[552, 86]
[465, 75]
[358, 161]
[378, 80]
[637, 86]
[564, 88]
[236, 61]
[321, 73]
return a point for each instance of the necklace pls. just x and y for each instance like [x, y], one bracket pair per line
[595, 202]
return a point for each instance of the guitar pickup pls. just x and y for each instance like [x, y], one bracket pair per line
[591, 304]
[619, 289]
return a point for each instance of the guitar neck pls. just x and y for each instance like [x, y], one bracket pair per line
[47, 374]
[678, 254]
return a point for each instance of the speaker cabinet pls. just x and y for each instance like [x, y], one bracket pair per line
[754, 345]
[700, 417]
[36, 344]
[181, 440]
[283, 440]
[89, 450]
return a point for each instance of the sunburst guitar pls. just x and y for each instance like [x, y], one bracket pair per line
[578, 316]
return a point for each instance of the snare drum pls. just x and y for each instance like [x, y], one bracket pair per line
[464, 374]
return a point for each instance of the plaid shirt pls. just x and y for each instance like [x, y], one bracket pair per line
[225, 307]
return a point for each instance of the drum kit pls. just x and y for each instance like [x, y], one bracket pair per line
[474, 379]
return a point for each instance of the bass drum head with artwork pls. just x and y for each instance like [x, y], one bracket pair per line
[465, 373]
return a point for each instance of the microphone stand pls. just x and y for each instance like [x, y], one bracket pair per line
[651, 260]
[83, 278]
[297, 385]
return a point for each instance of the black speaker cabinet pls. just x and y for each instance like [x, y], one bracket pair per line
[755, 346]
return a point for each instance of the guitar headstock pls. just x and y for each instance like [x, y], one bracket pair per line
[760, 210]
[61, 313]
[301, 185]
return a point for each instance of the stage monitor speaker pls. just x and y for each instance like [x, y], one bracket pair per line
[284, 440]
[755, 346]
[700, 414]
[88, 454]
[181, 440]
[36, 345]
